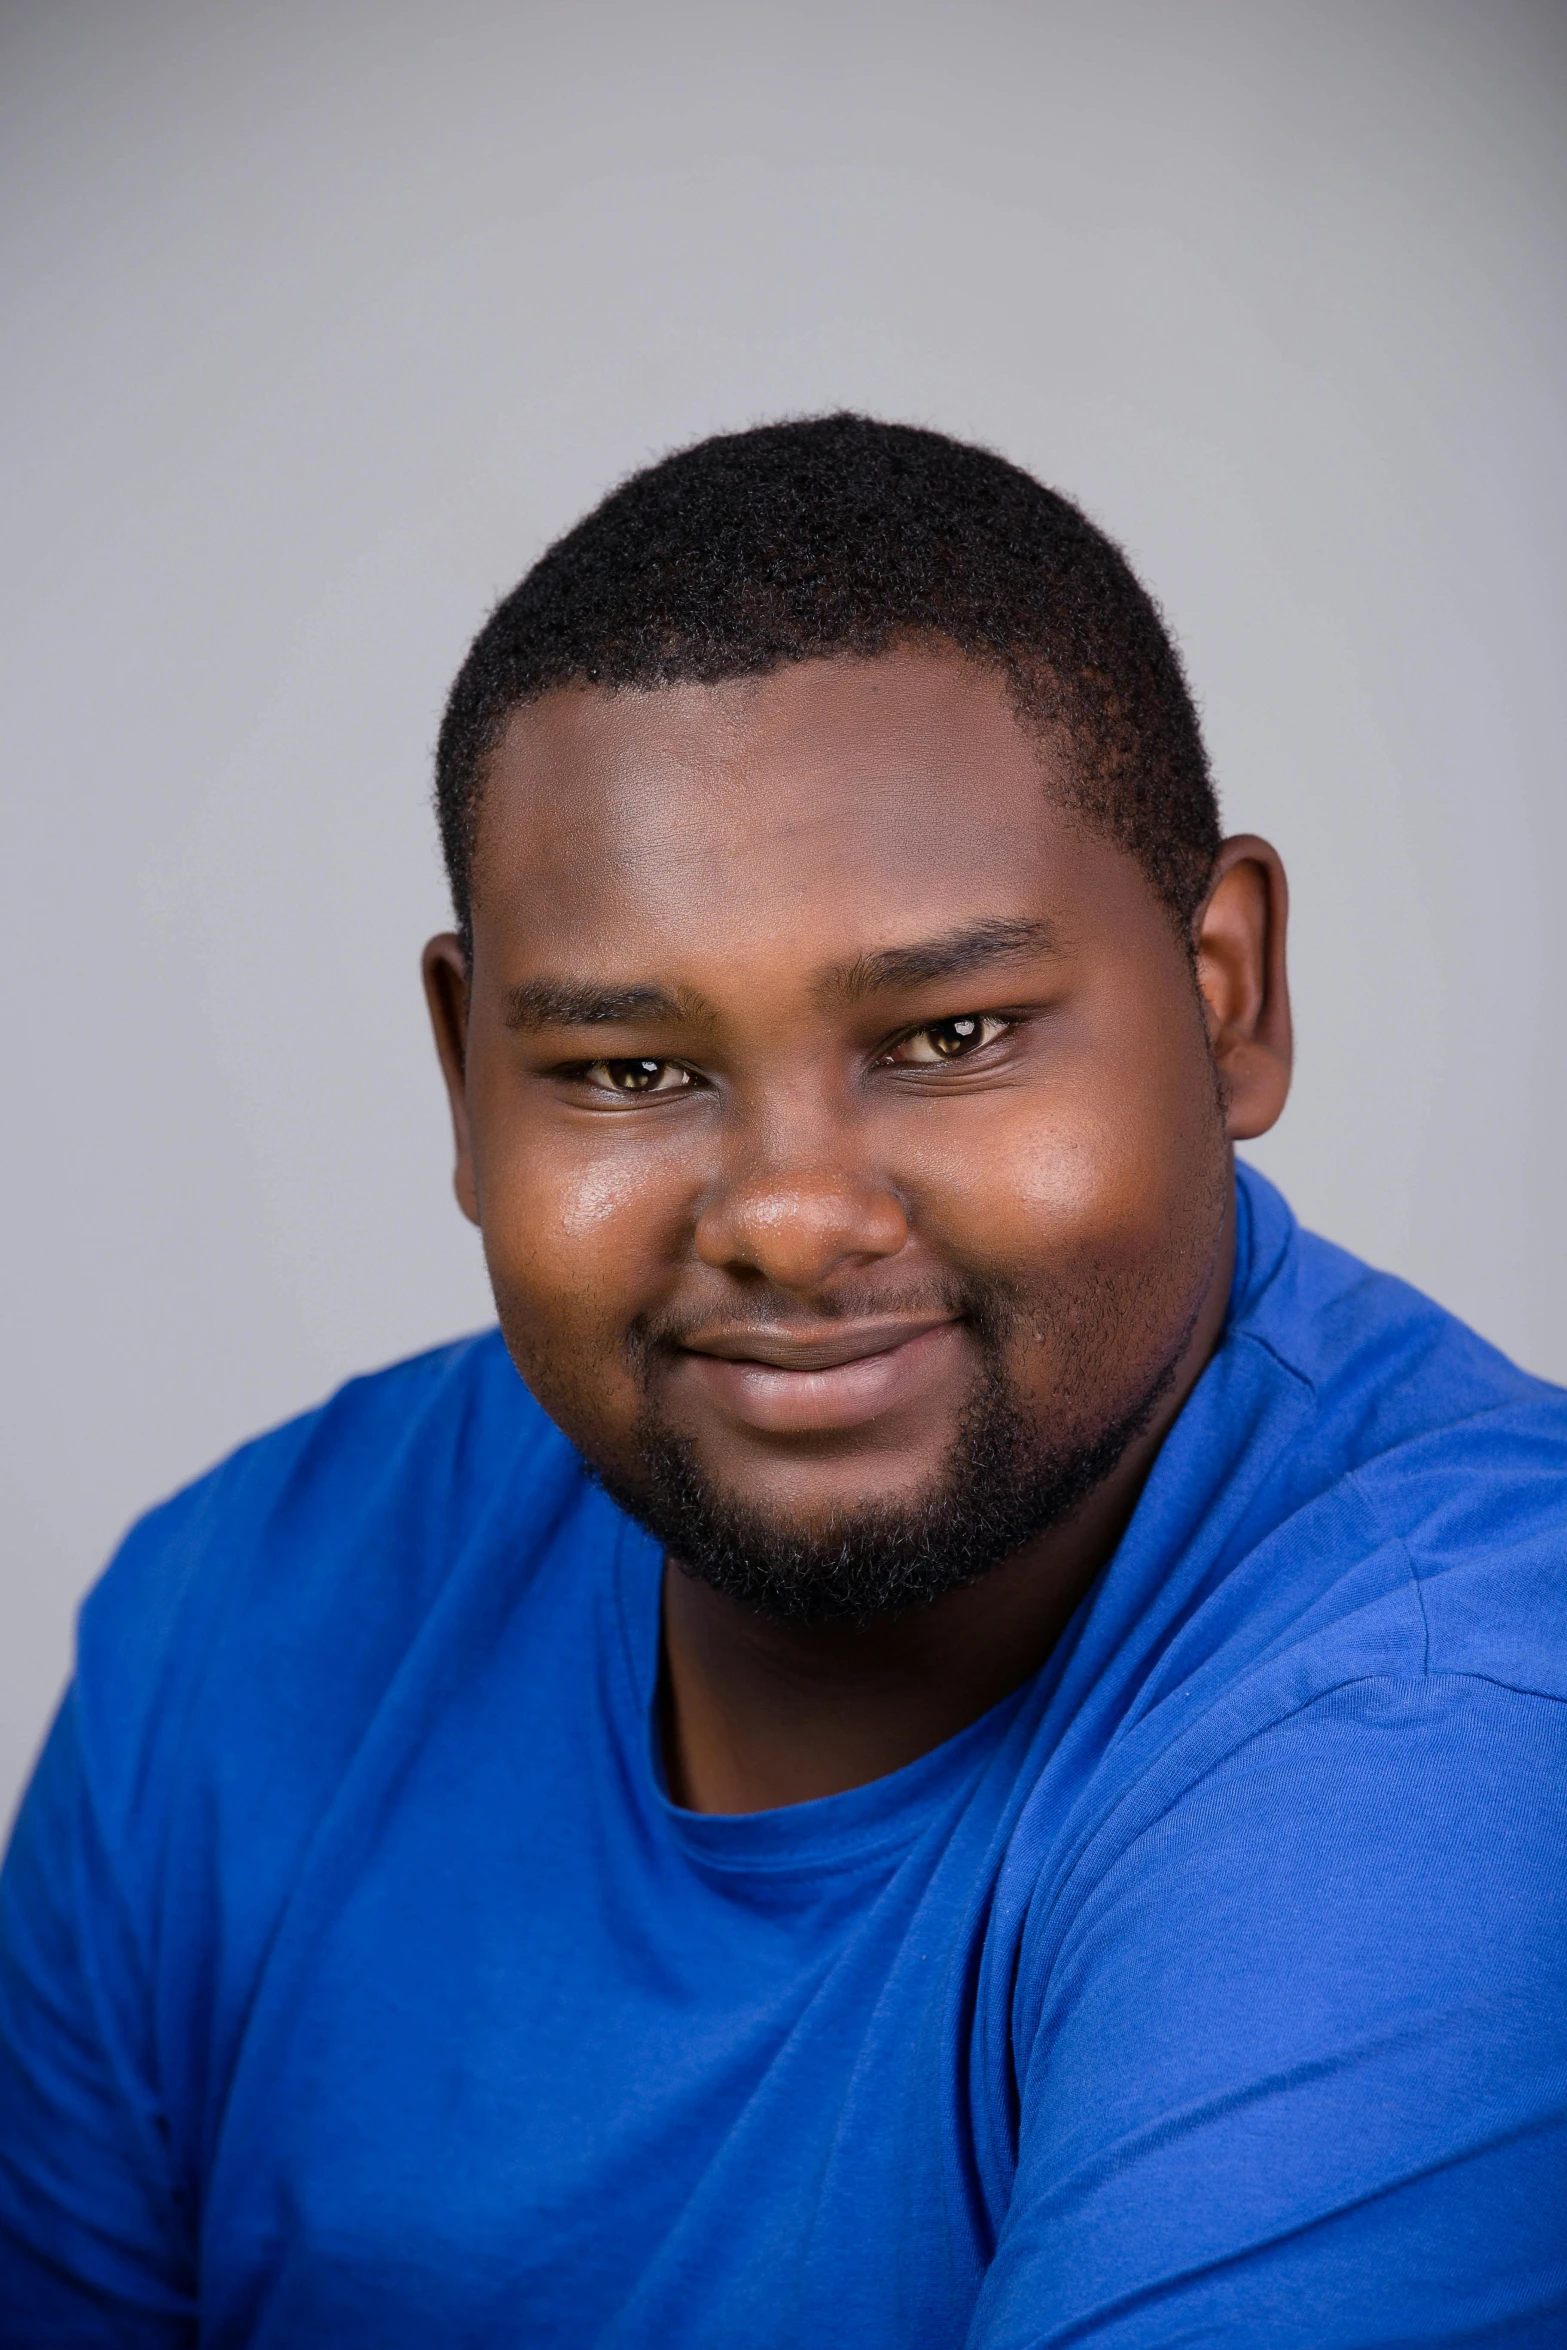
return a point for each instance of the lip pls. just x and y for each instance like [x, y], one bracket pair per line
[786, 1382]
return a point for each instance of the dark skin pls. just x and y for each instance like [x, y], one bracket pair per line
[794, 1002]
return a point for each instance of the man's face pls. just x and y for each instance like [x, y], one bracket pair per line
[838, 1112]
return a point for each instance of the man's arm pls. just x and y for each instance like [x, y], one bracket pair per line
[1300, 2067]
[94, 2247]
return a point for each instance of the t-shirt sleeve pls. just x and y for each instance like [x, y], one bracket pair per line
[1298, 2066]
[93, 2239]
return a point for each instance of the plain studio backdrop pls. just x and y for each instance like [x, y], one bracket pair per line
[322, 317]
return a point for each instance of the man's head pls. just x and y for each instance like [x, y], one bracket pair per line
[850, 1002]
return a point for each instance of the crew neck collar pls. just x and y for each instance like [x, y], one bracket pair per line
[857, 1827]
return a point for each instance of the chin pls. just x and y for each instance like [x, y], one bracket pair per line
[809, 1505]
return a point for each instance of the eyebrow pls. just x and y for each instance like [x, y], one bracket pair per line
[970, 948]
[575, 1003]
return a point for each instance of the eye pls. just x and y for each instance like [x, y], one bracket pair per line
[947, 1040]
[634, 1078]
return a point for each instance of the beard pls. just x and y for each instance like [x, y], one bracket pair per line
[1003, 1483]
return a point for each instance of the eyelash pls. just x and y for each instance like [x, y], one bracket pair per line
[651, 1067]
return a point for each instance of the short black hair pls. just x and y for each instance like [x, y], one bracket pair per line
[839, 535]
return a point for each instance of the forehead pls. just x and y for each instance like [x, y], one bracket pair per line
[863, 797]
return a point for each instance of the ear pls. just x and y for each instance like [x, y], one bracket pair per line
[1239, 943]
[446, 992]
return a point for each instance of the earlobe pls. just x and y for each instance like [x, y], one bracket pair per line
[1239, 941]
[445, 971]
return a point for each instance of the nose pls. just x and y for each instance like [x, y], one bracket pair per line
[797, 1226]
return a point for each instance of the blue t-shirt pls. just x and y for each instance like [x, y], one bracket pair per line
[360, 1985]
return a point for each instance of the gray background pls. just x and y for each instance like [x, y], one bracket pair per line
[321, 319]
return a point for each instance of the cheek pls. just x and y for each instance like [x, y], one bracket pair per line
[1088, 1175]
[557, 1237]
[575, 1228]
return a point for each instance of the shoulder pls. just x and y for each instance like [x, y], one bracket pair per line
[1453, 1457]
[393, 1438]
[285, 1584]
[1384, 1362]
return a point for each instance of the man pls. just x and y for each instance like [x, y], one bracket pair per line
[975, 1752]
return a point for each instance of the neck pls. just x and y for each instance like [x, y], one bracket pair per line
[756, 1714]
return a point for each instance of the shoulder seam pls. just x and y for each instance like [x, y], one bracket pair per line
[1253, 1737]
[1308, 1705]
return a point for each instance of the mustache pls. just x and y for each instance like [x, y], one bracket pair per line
[987, 1305]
